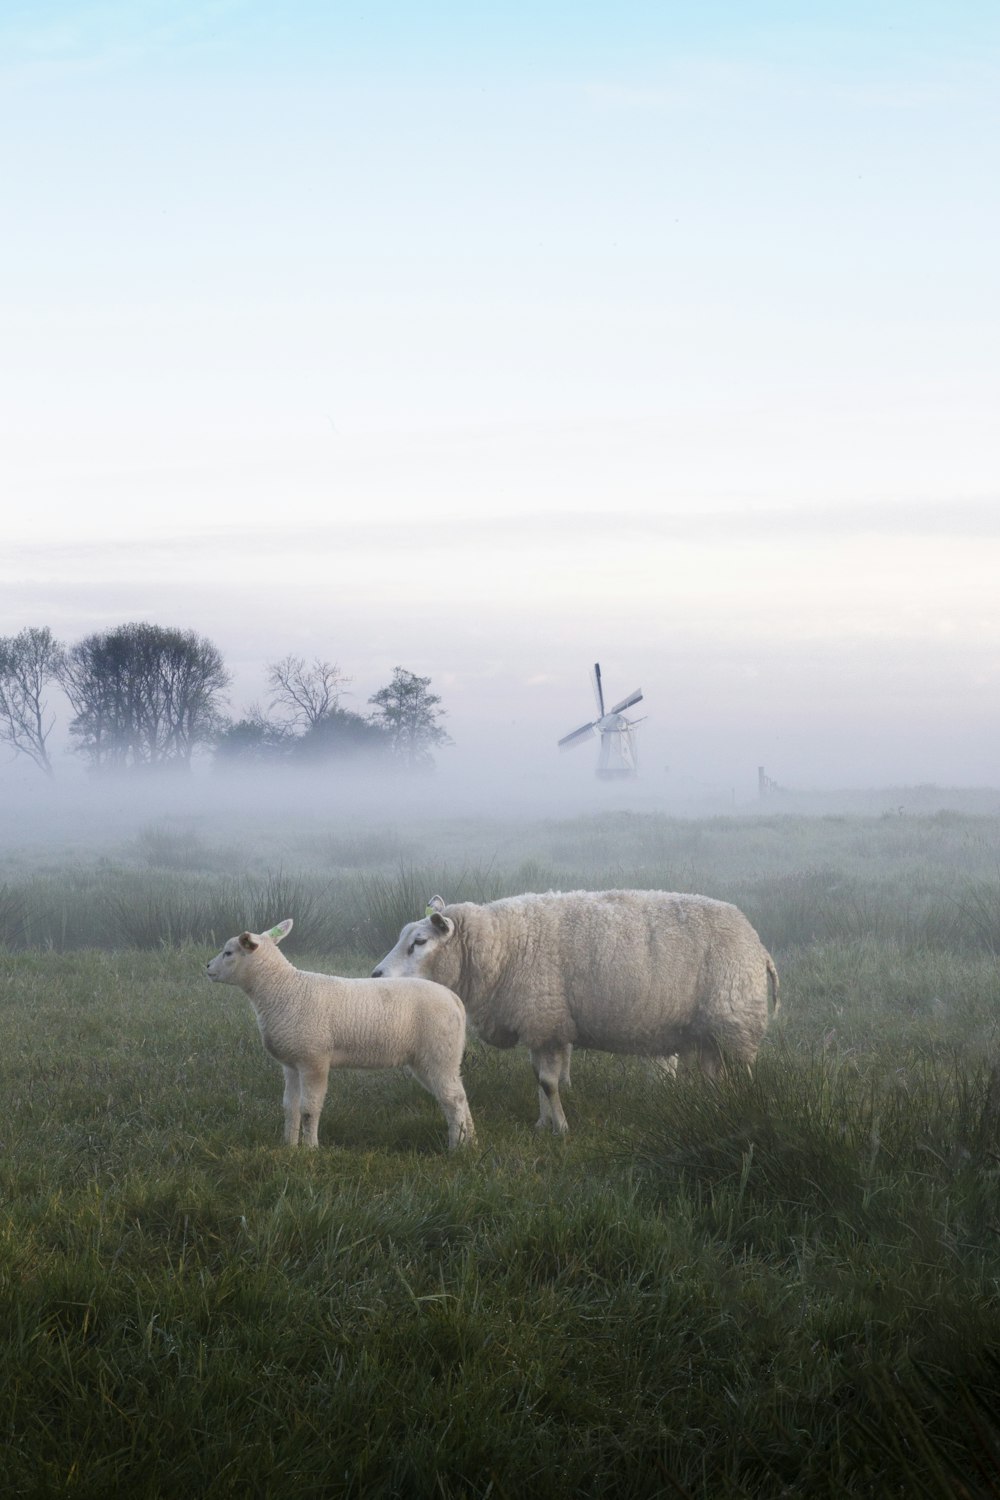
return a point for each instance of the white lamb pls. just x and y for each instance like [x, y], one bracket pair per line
[314, 1022]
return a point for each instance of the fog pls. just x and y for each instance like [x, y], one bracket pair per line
[286, 818]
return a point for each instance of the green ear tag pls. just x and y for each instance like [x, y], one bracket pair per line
[429, 911]
[276, 932]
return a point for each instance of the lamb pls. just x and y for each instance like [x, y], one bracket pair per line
[653, 973]
[314, 1022]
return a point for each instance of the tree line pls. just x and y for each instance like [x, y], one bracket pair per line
[149, 697]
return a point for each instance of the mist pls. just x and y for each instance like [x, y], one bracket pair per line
[457, 814]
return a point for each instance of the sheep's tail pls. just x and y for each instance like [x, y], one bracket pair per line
[772, 975]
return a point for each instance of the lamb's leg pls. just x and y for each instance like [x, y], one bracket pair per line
[461, 1131]
[665, 1066]
[450, 1094]
[291, 1105]
[312, 1081]
[548, 1063]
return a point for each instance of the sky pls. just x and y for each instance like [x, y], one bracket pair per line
[491, 341]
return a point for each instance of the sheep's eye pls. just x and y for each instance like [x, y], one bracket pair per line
[419, 942]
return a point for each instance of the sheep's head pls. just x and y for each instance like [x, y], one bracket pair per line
[230, 965]
[422, 948]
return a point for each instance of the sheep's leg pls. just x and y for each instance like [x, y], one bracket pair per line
[312, 1083]
[709, 1058]
[548, 1063]
[565, 1081]
[291, 1105]
[666, 1067]
[544, 1113]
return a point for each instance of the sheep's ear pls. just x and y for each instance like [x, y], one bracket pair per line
[281, 931]
[248, 942]
[436, 903]
[442, 924]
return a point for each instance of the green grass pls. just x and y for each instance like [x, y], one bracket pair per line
[784, 1285]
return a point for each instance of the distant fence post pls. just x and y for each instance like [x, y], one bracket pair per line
[765, 785]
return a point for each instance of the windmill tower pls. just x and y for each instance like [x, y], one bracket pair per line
[618, 755]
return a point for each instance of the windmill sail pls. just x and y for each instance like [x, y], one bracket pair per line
[598, 690]
[585, 732]
[635, 697]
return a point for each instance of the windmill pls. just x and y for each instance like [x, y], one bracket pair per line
[618, 755]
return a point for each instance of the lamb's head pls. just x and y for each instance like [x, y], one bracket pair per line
[234, 964]
[425, 949]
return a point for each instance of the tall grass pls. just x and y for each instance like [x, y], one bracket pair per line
[150, 909]
[112, 906]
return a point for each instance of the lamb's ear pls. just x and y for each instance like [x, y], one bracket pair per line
[436, 903]
[281, 931]
[248, 942]
[442, 924]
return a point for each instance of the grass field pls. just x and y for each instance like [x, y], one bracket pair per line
[785, 1285]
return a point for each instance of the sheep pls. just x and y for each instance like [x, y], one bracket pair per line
[311, 1023]
[652, 973]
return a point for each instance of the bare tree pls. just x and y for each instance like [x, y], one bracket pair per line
[305, 695]
[144, 695]
[29, 662]
[409, 714]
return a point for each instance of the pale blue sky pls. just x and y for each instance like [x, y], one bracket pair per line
[691, 309]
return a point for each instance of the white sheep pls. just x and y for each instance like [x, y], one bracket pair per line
[314, 1022]
[653, 973]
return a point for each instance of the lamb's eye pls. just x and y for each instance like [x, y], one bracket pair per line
[419, 942]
